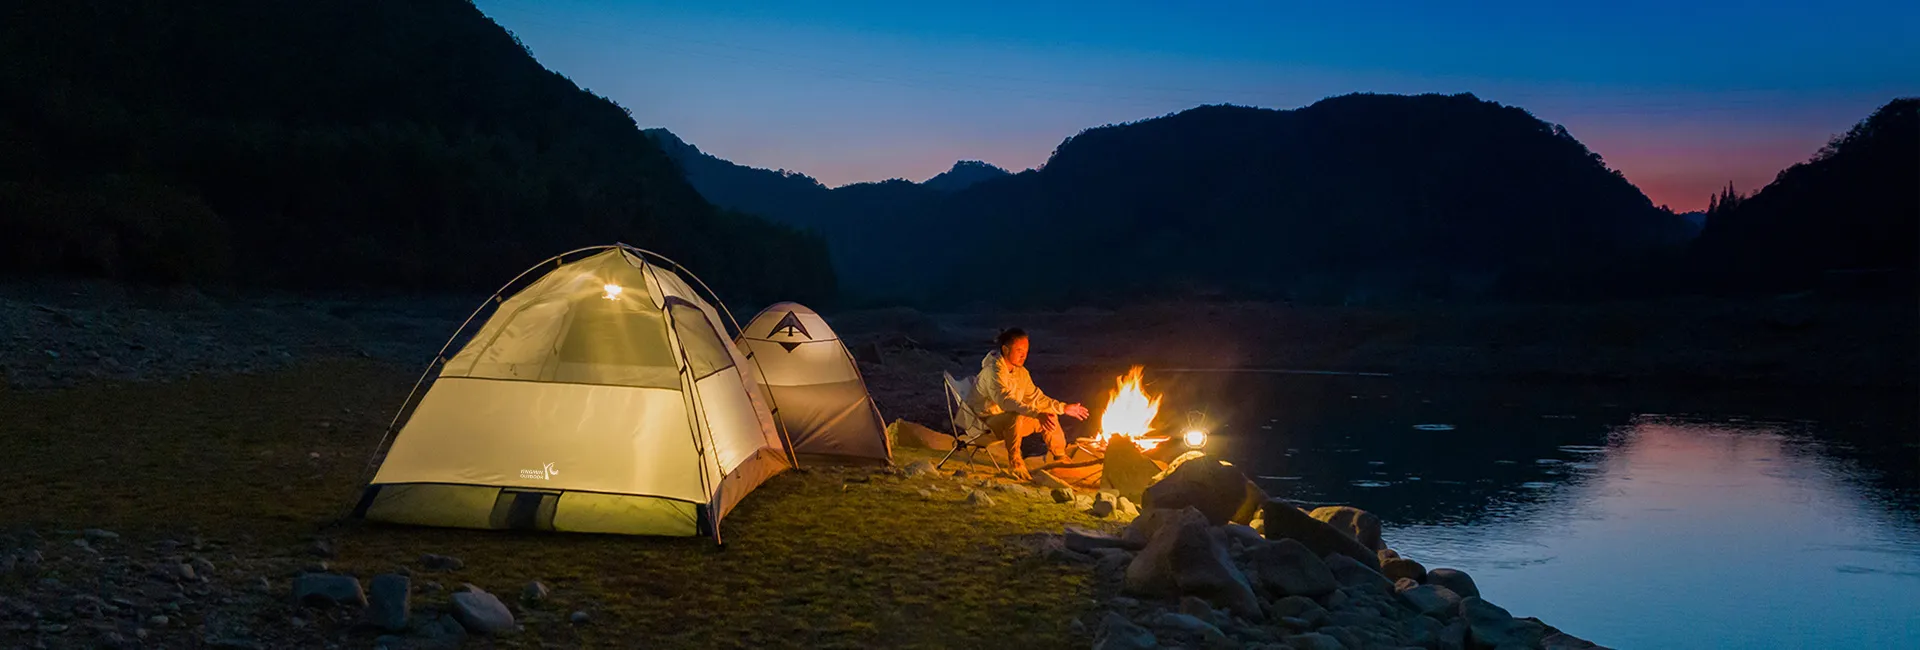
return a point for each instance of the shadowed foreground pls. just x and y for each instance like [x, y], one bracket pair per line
[237, 475]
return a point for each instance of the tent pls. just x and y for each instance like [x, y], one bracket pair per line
[815, 386]
[602, 397]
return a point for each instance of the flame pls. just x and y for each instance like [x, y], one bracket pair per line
[1129, 410]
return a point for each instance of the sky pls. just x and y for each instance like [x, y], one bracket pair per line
[1681, 97]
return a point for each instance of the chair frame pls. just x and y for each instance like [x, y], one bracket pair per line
[967, 439]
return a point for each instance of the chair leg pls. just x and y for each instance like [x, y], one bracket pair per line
[943, 459]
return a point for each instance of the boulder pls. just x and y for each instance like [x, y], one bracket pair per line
[1285, 521]
[978, 498]
[1062, 496]
[1490, 626]
[1199, 609]
[1142, 528]
[1345, 636]
[1186, 625]
[1310, 613]
[919, 468]
[1246, 534]
[1564, 641]
[389, 601]
[1084, 540]
[1213, 486]
[1101, 508]
[579, 618]
[1184, 558]
[1127, 469]
[1432, 600]
[1117, 633]
[1386, 554]
[1112, 568]
[1314, 641]
[1453, 579]
[1352, 573]
[913, 435]
[482, 613]
[1126, 508]
[327, 589]
[1399, 567]
[1287, 568]
[1359, 524]
[1421, 631]
[1453, 636]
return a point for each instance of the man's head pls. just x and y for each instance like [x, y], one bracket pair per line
[1013, 346]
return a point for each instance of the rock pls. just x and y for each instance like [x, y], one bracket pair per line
[1246, 534]
[1351, 573]
[1285, 521]
[1432, 600]
[158, 620]
[1014, 488]
[1112, 568]
[482, 613]
[920, 468]
[925, 494]
[1453, 636]
[1125, 507]
[1314, 641]
[1062, 496]
[432, 562]
[1564, 641]
[1310, 613]
[1141, 530]
[1185, 625]
[1288, 568]
[978, 498]
[390, 642]
[1490, 626]
[1101, 508]
[1420, 631]
[1183, 558]
[534, 593]
[1085, 540]
[1213, 486]
[1199, 609]
[389, 601]
[327, 589]
[1453, 579]
[320, 548]
[232, 643]
[1127, 469]
[1335, 600]
[1117, 633]
[1386, 554]
[1397, 568]
[1046, 479]
[1359, 524]
[1343, 635]
[1066, 556]
[578, 618]
[203, 567]
[99, 534]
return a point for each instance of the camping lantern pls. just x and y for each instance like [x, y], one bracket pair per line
[613, 291]
[1195, 438]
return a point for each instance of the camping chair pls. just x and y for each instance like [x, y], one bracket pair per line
[966, 425]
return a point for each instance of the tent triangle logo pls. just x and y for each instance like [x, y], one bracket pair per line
[790, 326]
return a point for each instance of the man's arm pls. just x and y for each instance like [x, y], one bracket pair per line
[1022, 389]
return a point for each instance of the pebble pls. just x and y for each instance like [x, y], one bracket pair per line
[578, 618]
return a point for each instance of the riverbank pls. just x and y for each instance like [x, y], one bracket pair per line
[237, 477]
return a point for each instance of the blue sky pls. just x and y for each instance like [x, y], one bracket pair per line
[1681, 97]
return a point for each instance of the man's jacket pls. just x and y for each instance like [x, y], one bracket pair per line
[1002, 387]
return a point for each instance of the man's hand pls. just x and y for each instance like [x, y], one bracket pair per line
[1049, 423]
[1077, 411]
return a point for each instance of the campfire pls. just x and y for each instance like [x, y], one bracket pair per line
[1130, 412]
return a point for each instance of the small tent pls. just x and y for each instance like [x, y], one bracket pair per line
[815, 387]
[602, 397]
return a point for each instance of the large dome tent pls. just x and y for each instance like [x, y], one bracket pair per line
[601, 395]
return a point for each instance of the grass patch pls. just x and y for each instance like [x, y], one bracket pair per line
[260, 464]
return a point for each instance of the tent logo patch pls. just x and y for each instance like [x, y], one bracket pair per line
[790, 326]
[545, 472]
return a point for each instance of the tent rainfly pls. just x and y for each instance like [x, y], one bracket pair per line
[823, 403]
[603, 397]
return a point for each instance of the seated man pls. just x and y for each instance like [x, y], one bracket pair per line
[1015, 408]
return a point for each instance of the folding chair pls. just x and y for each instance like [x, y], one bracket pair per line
[966, 425]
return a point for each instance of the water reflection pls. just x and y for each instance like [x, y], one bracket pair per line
[1767, 522]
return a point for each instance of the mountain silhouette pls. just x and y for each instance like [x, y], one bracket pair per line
[1854, 206]
[1358, 194]
[963, 175]
[348, 143]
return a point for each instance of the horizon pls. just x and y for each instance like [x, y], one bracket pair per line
[1681, 100]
